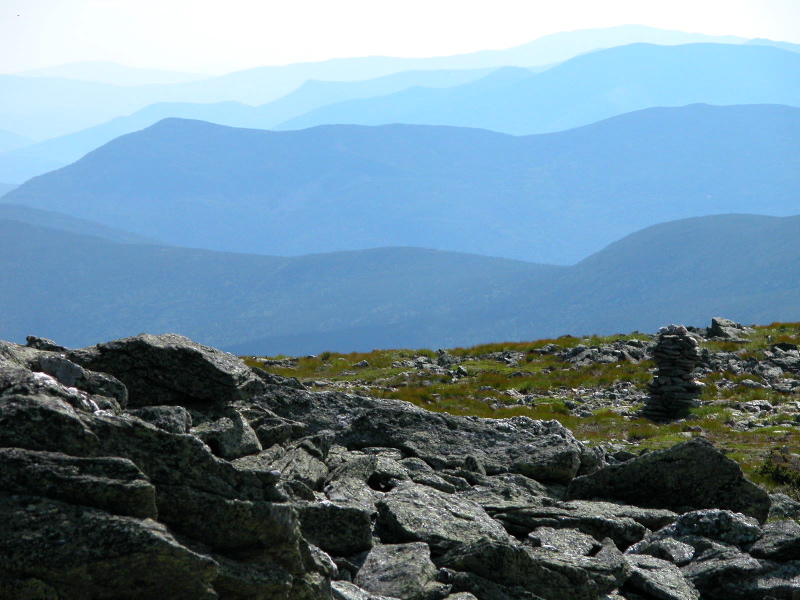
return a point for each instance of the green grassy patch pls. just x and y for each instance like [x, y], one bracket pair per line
[542, 386]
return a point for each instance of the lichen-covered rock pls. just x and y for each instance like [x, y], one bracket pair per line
[667, 548]
[547, 574]
[623, 524]
[171, 418]
[229, 437]
[344, 590]
[719, 568]
[303, 462]
[541, 450]
[83, 552]
[783, 507]
[50, 423]
[70, 374]
[412, 513]
[229, 525]
[727, 329]
[721, 525]
[239, 580]
[402, 571]
[481, 588]
[690, 476]
[112, 484]
[507, 491]
[338, 530]
[171, 369]
[566, 541]
[658, 579]
[41, 343]
[780, 541]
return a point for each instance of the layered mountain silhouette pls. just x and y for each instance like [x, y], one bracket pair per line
[29, 160]
[80, 289]
[62, 222]
[12, 141]
[510, 99]
[586, 89]
[45, 107]
[553, 198]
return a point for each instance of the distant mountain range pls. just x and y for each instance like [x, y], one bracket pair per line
[513, 100]
[552, 198]
[586, 89]
[22, 163]
[12, 141]
[80, 289]
[65, 102]
[62, 222]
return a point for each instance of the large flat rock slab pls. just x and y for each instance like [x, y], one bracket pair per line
[690, 476]
[413, 513]
[170, 369]
[82, 552]
[542, 450]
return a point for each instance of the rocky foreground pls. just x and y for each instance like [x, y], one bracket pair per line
[154, 467]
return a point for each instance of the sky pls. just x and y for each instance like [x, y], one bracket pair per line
[219, 36]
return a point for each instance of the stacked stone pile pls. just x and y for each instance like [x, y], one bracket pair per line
[674, 390]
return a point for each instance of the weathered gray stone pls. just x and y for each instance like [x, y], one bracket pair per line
[377, 472]
[720, 569]
[781, 541]
[16, 380]
[411, 513]
[238, 580]
[488, 590]
[229, 437]
[174, 419]
[669, 549]
[727, 329]
[783, 507]
[720, 525]
[623, 524]
[338, 530]
[41, 343]
[690, 476]
[566, 541]
[82, 552]
[112, 484]
[420, 472]
[349, 491]
[344, 590]
[304, 464]
[542, 450]
[171, 369]
[70, 374]
[507, 491]
[230, 526]
[658, 579]
[402, 571]
[272, 429]
[548, 574]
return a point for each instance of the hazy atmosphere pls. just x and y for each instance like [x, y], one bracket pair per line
[212, 37]
[382, 300]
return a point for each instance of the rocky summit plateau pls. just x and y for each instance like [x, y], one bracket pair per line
[156, 467]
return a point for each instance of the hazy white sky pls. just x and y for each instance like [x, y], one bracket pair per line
[215, 36]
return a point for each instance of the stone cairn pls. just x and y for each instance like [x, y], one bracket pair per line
[674, 390]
